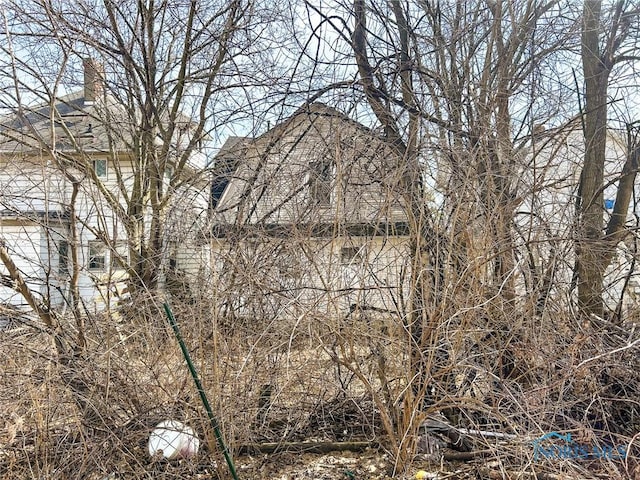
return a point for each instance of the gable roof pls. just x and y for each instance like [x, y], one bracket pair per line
[263, 183]
[90, 120]
[316, 109]
[69, 124]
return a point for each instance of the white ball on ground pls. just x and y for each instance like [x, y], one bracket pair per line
[173, 440]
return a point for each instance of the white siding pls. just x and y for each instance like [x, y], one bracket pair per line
[34, 187]
[23, 242]
[272, 182]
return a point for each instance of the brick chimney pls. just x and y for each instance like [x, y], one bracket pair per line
[93, 80]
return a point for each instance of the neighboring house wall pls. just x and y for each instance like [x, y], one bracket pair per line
[23, 240]
[27, 188]
[310, 219]
[287, 204]
[37, 247]
[269, 278]
[34, 183]
[546, 221]
[30, 184]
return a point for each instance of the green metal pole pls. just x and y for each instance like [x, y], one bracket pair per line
[203, 395]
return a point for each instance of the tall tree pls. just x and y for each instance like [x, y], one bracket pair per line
[448, 85]
[157, 78]
[602, 49]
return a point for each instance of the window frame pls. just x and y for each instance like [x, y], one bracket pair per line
[95, 248]
[105, 175]
[321, 175]
[63, 257]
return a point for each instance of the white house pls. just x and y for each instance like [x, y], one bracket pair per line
[67, 176]
[308, 218]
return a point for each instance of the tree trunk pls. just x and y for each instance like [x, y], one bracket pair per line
[590, 248]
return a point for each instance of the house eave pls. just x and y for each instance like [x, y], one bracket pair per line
[314, 230]
[35, 216]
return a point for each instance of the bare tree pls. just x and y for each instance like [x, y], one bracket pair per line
[417, 260]
[601, 52]
[125, 156]
[158, 72]
[453, 89]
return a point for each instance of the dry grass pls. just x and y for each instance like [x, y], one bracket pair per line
[310, 380]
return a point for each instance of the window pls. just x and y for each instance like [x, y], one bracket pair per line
[172, 254]
[100, 167]
[63, 257]
[320, 182]
[350, 255]
[97, 256]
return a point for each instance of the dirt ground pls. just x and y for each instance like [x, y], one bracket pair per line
[372, 465]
